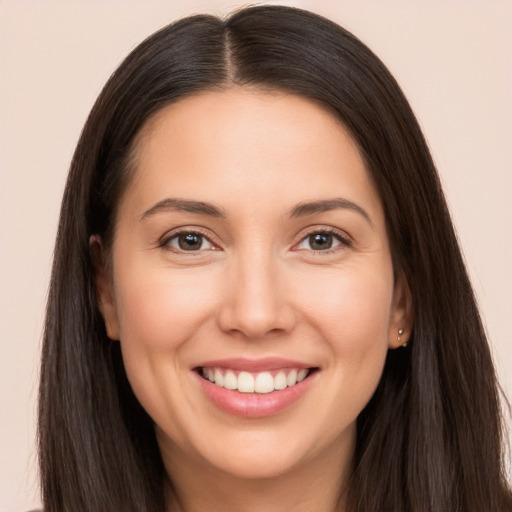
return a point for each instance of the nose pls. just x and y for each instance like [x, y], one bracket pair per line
[255, 301]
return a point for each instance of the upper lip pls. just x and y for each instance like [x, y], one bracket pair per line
[254, 365]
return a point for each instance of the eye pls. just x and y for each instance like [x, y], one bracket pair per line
[321, 241]
[189, 241]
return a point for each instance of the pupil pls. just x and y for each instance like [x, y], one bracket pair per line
[190, 242]
[320, 241]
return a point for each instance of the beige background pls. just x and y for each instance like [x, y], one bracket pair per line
[453, 59]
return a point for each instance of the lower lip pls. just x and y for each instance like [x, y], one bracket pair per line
[254, 404]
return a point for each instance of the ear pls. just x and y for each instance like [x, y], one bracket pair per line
[104, 287]
[402, 314]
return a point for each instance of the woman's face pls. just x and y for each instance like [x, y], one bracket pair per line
[250, 249]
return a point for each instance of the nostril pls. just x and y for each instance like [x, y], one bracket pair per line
[256, 314]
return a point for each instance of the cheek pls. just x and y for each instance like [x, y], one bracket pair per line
[351, 308]
[160, 313]
[352, 314]
[158, 310]
[353, 319]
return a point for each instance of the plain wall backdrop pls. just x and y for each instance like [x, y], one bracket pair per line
[452, 58]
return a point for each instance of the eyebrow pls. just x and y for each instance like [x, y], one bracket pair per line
[210, 210]
[183, 205]
[303, 209]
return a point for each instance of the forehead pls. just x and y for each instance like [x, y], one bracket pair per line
[247, 144]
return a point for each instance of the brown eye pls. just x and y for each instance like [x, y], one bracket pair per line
[189, 241]
[320, 241]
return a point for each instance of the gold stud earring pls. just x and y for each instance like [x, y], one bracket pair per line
[402, 344]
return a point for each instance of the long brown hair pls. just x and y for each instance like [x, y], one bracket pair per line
[430, 438]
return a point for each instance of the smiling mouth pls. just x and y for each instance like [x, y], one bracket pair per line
[259, 382]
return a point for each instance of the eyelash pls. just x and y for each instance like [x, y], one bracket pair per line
[165, 242]
[343, 240]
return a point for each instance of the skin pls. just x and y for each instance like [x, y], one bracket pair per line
[256, 288]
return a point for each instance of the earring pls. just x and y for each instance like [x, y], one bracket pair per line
[402, 344]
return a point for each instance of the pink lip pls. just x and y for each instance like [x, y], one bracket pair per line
[265, 364]
[253, 405]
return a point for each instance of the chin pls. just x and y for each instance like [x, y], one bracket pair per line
[257, 464]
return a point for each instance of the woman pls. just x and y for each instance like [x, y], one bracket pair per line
[247, 310]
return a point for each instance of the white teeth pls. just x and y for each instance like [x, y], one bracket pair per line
[280, 381]
[245, 382]
[230, 380]
[301, 374]
[219, 379]
[262, 382]
[291, 380]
